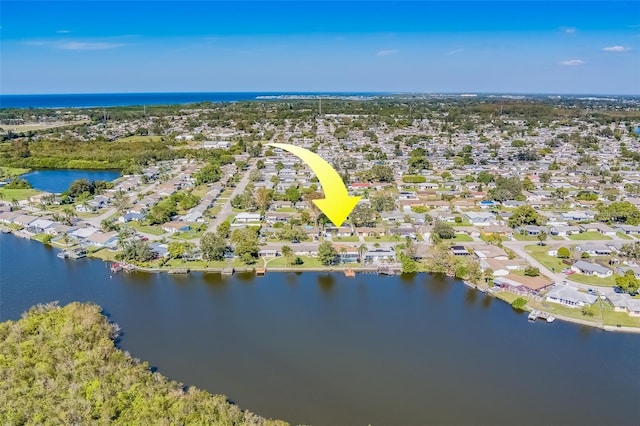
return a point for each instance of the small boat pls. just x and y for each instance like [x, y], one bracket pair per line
[550, 319]
[116, 267]
[63, 255]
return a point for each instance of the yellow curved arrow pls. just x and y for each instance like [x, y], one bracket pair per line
[337, 204]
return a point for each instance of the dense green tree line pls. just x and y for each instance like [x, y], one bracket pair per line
[59, 365]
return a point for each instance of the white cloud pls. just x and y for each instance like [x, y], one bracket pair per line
[616, 49]
[454, 51]
[572, 62]
[79, 45]
[386, 52]
[63, 31]
[569, 30]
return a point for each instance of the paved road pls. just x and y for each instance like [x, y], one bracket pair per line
[226, 210]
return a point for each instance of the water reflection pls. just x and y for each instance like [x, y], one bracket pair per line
[326, 283]
[486, 301]
[470, 296]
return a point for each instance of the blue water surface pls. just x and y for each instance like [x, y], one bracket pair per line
[88, 100]
[59, 180]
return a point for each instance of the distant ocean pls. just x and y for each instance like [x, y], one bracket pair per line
[89, 100]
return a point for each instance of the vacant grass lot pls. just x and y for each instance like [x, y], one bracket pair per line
[350, 239]
[588, 236]
[16, 194]
[282, 262]
[539, 253]
[148, 229]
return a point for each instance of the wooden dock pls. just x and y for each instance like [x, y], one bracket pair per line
[385, 270]
[535, 314]
[228, 270]
[261, 272]
[179, 271]
[349, 273]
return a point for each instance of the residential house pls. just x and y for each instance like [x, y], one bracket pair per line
[624, 303]
[459, 251]
[24, 220]
[380, 255]
[523, 285]
[481, 218]
[175, 226]
[594, 249]
[564, 230]
[588, 268]
[102, 239]
[130, 217]
[346, 254]
[244, 217]
[370, 232]
[40, 225]
[569, 296]
[628, 229]
[532, 230]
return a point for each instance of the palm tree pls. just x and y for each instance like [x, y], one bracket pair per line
[362, 249]
[343, 251]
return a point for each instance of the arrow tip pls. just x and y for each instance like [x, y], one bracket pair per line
[337, 209]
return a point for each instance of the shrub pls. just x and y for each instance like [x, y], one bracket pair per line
[519, 304]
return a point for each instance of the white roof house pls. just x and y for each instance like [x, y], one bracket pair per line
[569, 296]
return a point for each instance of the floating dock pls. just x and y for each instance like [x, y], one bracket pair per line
[178, 271]
[349, 273]
[228, 271]
[261, 272]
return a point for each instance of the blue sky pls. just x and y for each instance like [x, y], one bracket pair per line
[401, 46]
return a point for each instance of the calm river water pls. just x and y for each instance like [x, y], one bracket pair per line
[322, 349]
[58, 180]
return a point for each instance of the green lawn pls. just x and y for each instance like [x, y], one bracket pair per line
[39, 237]
[558, 309]
[381, 239]
[17, 194]
[588, 236]
[539, 253]
[281, 262]
[556, 237]
[351, 239]
[286, 210]
[589, 279]
[200, 190]
[189, 235]
[519, 237]
[624, 236]
[460, 238]
[104, 254]
[9, 172]
[614, 318]
[149, 229]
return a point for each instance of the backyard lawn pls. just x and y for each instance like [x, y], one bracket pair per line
[624, 236]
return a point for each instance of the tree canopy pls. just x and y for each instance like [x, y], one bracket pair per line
[60, 364]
